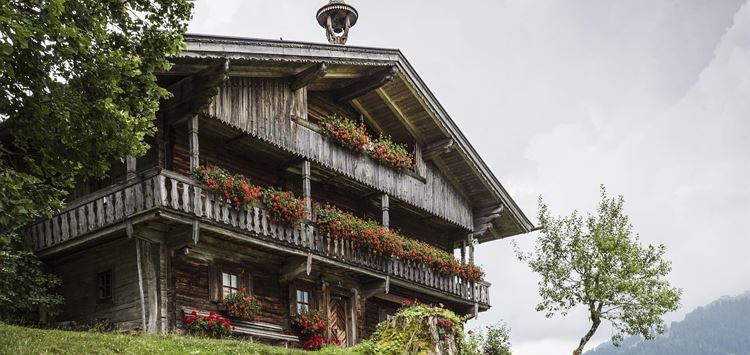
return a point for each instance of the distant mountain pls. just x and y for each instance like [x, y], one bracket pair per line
[720, 328]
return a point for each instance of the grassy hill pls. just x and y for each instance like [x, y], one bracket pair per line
[20, 340]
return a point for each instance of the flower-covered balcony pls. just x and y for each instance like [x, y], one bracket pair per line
[267, 217]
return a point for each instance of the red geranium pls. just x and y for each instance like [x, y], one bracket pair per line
[283, 207]
[235, 189]
[212, 325]
[346, 132]
[368, 234]
[312, 325]
[242, 305]
[390, 153]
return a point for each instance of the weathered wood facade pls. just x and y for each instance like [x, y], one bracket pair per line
[153, 243]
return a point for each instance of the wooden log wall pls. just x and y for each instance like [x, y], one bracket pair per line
[80, 271]
[263, 108]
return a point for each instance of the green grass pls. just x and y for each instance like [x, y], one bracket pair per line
[21, 340]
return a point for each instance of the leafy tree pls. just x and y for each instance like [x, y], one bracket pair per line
[493, 340]
[598, 262]
[77, 91]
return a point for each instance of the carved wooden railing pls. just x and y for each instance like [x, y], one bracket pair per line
[171, 191]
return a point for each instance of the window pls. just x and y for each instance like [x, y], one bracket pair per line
[229, 284]
[227, 279]
[303, 301]
[104, 282]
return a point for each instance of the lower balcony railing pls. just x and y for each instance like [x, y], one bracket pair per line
[170, 191]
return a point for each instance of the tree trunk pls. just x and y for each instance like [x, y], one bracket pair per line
[594, 325]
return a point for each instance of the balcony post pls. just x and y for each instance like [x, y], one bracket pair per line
[384, 204]
[193, 138]
[306, 187]
[130, 167]
[471, 248]
[463, 252]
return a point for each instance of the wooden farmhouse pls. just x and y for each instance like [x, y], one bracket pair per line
[153, 242]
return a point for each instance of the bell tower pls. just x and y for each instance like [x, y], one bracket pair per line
[337, 17]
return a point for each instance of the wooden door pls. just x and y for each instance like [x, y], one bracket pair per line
[338, 310]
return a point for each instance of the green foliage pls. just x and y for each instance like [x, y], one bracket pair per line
[599, 263]
[413, 330]
[24, 285]
[493, 340]
[77, 91]
[19, 340]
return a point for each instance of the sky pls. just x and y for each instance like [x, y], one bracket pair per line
[650, 98]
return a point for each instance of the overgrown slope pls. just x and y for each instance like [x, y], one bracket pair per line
[19, 340]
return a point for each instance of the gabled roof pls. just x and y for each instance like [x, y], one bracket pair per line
[403, 106]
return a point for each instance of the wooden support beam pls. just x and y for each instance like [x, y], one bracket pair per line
[363, 86]
[435, 149]
[306, 187]
[399, 114]
[489, 210]
[293, 268]
[482, 228]
[486, 219]
[463, 251]
[376, 288]
[471, 247]
[196, 232]
[147, 285]
[385, 206]
[235, 139]
[195, 92]
[193, 141]
[390, 298]
[309, 75]
[361, 109]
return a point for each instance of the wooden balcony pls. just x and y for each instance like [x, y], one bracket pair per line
[161, 194]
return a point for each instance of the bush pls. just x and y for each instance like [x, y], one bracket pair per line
[494, 340]
[242, 305]
[24, 284]
[420, 329]
[212, 325]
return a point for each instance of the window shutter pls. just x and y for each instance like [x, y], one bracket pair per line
[214, 283]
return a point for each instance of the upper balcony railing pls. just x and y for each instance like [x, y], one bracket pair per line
[165, 190]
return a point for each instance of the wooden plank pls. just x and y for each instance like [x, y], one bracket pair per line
[64, 227]
[100, 219]
[309, 75]
[119, 211]
[73, 223]
[393, 107]
[173, 194]
[365, 85]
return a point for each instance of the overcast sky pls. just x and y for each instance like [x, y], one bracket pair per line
[651, 98]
